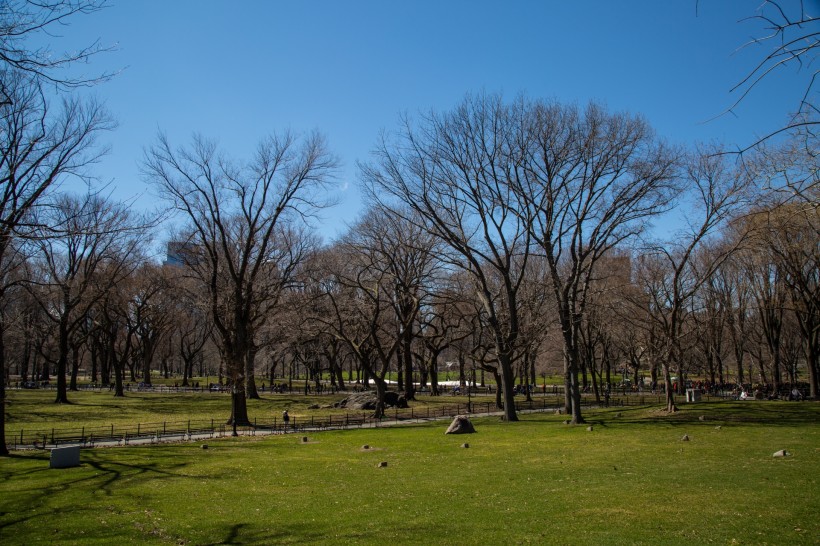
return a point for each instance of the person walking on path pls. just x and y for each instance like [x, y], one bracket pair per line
[285, 418]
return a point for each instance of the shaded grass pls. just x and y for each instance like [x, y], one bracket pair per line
[631, 480]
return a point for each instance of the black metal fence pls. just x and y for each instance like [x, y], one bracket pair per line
[199, 429]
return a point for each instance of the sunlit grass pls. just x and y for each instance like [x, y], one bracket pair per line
[631, 480]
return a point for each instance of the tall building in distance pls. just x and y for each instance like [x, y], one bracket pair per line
[180, 253]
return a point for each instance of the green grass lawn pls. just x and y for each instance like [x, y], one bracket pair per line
[631, 480]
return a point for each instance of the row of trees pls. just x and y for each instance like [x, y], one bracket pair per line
[482, 245]
[502, 234]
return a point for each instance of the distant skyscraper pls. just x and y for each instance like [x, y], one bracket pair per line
[178, 253]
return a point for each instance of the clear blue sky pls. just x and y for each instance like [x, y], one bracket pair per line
[238, 70]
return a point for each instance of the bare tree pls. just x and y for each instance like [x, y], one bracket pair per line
[242, 245]
[672, 270]
[591, 182]
[405, 254]
[787, 37]
[369, 307]
[22, 20]
[456, 173]
[151, 303]
[190, 328]
[787, 173]
[86, 245]
[38, 147]
[789, 233]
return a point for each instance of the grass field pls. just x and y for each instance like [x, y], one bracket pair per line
[631, 480]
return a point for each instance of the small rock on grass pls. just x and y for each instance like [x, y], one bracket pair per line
[781, 453]
[204, 446]
[685, 438]
[382, 464]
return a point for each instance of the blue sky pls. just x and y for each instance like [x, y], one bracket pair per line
[237, 71]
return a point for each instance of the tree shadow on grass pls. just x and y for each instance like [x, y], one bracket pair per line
[73, 484]
[276, 533]
[770, 413]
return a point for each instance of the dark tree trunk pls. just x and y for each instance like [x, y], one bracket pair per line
[407, 360]
[498, 402]
[4, 450]
[75, 366]
[119, 371]
[62, 363]
[93, 357]
[434, 391]
[236, 364]
[507, 387]
[251, 381]
[381, 390]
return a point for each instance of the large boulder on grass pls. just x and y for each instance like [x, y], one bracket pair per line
[359, 401]
[460, 425]
[395, 400]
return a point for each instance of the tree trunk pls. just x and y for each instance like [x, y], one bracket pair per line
[236, 365]
[145, 357]
[812, 354]
[119, 372]
[498, 402]
[249, 375]
[4, 450]
[75, 367]
[670, 392]
[567, 385]
[407, 359]
[62, 363]
[381, 389]
[340, 379]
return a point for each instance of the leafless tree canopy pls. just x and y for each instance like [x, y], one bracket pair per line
[22, 20]
[789, 39]
[241, 227]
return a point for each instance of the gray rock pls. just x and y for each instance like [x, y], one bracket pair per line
[460, 425]
[465, 446]
[359, 400]
[589, 428]
[368, 401]
[781, 453]
[685, 438]
[394, 399]
[383, 464]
